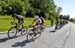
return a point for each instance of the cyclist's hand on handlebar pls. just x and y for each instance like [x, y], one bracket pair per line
[31, 26]
[12, 22]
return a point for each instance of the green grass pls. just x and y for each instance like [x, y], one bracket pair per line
[5, 22]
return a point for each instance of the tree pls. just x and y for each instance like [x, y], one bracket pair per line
[45, 8]
[66, 17]
[59, 9]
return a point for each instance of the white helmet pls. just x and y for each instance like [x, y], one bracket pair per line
[36, 17]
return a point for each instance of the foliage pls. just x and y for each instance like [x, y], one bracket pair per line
[45, 8]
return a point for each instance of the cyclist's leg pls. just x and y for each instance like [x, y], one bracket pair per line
[20, 25]
[35, 28]
[38, 27]
[41, 26]
[56, 26]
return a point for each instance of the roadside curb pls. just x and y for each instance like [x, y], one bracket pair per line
[3, 32]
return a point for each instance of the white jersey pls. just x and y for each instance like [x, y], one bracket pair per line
[39, 21]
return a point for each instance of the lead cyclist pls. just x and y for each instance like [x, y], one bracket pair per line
[20, 20]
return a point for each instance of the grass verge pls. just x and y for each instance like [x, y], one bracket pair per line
[5, 22]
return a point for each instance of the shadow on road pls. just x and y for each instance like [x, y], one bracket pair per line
[21, 44]
[53, 31]
[5, 39]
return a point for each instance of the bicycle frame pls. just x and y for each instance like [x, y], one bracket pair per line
[36, 29]
[16, 25]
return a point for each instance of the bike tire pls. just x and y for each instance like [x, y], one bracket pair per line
[32, 36]
[12, 31]
[29, 35]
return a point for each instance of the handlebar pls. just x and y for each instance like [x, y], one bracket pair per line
[31, 26]
[13, 23]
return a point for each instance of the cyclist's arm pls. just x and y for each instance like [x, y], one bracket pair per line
[14, 20]
[33, 22]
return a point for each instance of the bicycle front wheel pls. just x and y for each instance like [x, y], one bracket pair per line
[12, 32]
[24, 30]
[30, 35]
[33, 35]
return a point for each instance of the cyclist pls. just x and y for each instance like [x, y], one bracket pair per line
[57, 22]
[20, 20]
[61, 23]
[37, 23]
[52, 21]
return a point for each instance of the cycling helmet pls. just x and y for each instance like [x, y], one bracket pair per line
[36, 17]
[14, 15]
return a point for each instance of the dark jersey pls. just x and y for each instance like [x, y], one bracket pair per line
[20, 18]
[42, 19]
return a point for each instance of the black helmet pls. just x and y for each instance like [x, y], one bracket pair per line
[14, 15]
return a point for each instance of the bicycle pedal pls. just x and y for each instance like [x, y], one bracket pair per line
[19, 30]
[23, 30]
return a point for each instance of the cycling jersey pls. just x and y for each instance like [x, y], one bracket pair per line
[20, 18]
[42, 19]
[38, 22]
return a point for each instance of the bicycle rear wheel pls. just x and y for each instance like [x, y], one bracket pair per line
[12, 32]
[24, 30]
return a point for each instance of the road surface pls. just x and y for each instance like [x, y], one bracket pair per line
[62, 38]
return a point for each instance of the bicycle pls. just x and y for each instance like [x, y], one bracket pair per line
[34, 33]
[12, 32]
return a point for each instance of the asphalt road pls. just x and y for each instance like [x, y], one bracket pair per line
[62, 38]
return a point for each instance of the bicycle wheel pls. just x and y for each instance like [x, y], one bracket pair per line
[38, 34]
[32, 35]
[12, 32]
[24, 30]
